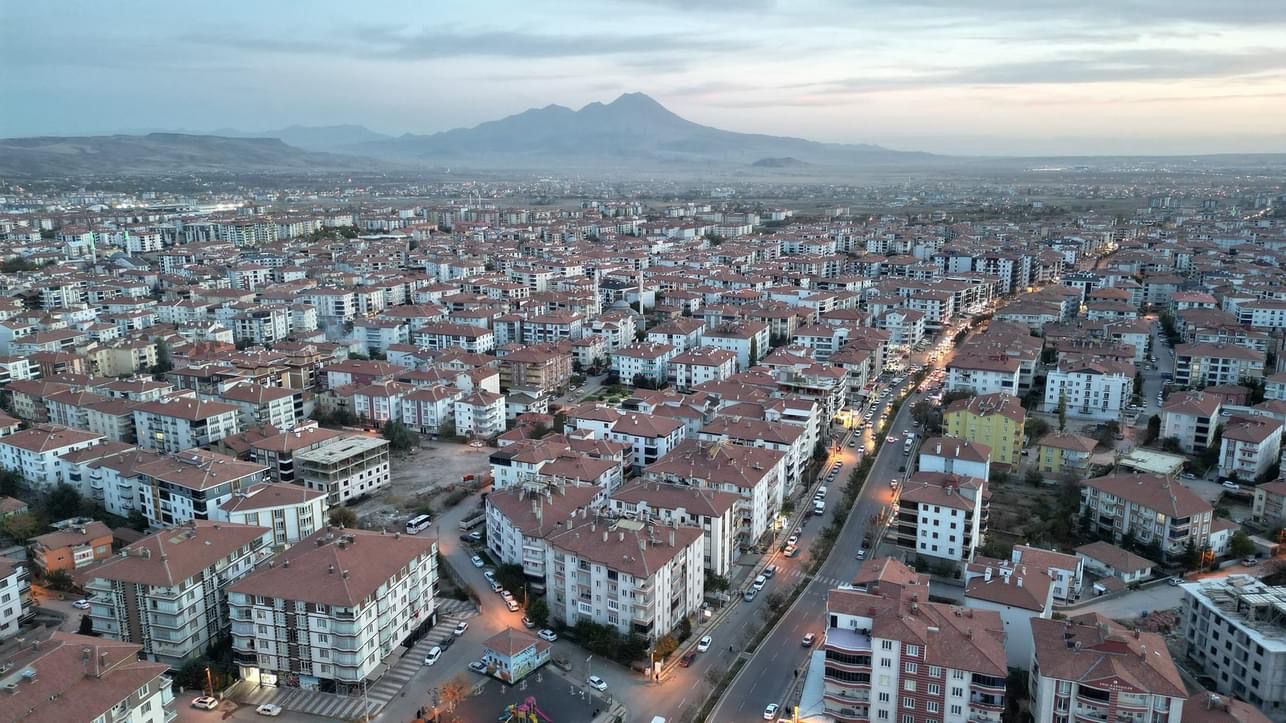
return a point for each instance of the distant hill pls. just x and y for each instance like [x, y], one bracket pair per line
[160, 153]
[634, 129]
[786, 162]
[313, 138]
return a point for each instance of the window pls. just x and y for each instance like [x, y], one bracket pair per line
[886, 644]
[141, 692]
[908, 686]
[908, 702]
[883, 714]
[884, 697]
[935, 689]
[935, 671]
[913, 650]
[908, 719]
[956, 710]
[886, 662]
[911, 667]
[932, 706]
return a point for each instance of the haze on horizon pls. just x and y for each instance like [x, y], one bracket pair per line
[992, 77]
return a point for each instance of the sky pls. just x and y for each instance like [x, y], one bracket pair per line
[989, 77]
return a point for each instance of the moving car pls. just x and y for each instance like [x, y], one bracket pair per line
[759, 583]
[597, 683]
[81, 604]
[861, 554]
[1231, 485]
[687, 659]
[434, 653]
[704, 644]
[808, 640]
[770, 571]
[205, 702]
[547, 635]
[771, 711]
[272, 710]
[790, 550]
[794, 538]
[460, 627]
[749, 594]
[1174, 581]
[477, 561]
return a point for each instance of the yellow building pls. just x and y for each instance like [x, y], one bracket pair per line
[1064, 452]
[995, 420]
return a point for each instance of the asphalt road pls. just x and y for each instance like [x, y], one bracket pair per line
[771, 671]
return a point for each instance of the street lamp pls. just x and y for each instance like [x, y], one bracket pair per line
[209, 680]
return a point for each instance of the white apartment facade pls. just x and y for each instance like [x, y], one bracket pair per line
[291, 511]
[1234, 634]
[1097, 389]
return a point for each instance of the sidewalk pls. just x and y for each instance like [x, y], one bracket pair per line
[401, 668]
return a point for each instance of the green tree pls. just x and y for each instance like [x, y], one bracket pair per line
[715, 583]
[63, 502]
[665, 645]
[538, 611]
[1062, 411]
[754, 352]
[59, 580]
[400, 437]
[1128, 541]
[1191, 556]
[22, 526]
[1154, 429]
[343, 517]
[11, 483]
[163, 362]
[1241, 545]
[1035, 428]
[86, 627]
[137, 521]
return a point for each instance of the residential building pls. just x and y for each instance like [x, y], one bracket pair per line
[1269, 507]
[1090, 668]
[191, 485]
[1250, 447]
[698, 366]
[168, 591]
[70, 677]
[1093, 388]
[650, 576]
[1192, 418]
[889, 654]
[1064, 452]
[329, 612]
[277, 452]
[293, 512]
[950, 455]
[1150, 508]
[940, 516]
[71, 547]
[16, 602]
[650, 362]
[1065, 571]
[479, 414]
[1019, 592]
[344, 468]
[982, 374]
[258, 405]
[180, 423]
[1203, 364]
[757, 476]
[709, 510]
[749, 340]
[1107, 560]
[513, 654]
[789, 439]
[1234, 633]
[34, 453]
[994, 421]
[648, 436]
[519, 519]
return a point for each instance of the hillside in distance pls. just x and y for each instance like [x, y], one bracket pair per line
[312, 138]
[633, 129]
[160, 153]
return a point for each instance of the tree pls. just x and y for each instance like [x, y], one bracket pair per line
[453, 692]
[59, 580]
[715, 583]
[1034, 477]
[1191, 556]
[86, 627]
[1035, 428]
[400, 437]
[538, 611]
[1128, 542]
[343, 517]
[754, 352]
[1154, 429]
[1107, 432]
[665, 645]
[929, 415]
[63, 502]
[11, 483]
[137, 521]
[1062, 411]
[1241, 545]
[22, 526]
[163, 363]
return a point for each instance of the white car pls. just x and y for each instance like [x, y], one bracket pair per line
[272, 710]
[1231, 485]
[597, 683]
[81, 604]
[434, 653]
[771, 711]
[704, 644]
[547, 635]
[760, 581]
[793, 539]
[512, 606]
[205, 702]
[477, 561]
[508, 596]
[460, 627]
[490, 575]
[478, 666]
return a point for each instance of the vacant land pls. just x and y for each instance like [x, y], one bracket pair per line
[425, 476]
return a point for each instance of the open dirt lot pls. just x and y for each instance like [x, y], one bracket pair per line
[421, 472]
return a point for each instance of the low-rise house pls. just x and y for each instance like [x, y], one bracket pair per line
[168, 591]
[1065, 571]
[512, 654]
[332, 610]
[1107, 560]
[73, 546]
[1060, 452]
[1017, 591]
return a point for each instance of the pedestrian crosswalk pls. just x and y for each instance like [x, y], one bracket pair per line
[342, 707]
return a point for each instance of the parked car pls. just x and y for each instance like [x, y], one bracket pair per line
[704, 644]
[477, 561]
[759, 583]
[460, 627]
[770, 571]
[1250, 562]
[478, 666]
[749, 594]
[528, 623]
[1174, 581]
[597, 683]
[490, 575]
[1231, 485]
[205, 702]
[434, 653]
[547, 635]
[512, 605]
[272, 710]
[790, 550]
[81, 604]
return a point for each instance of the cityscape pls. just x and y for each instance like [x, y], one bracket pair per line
[662, 391]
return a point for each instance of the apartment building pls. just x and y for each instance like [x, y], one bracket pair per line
[1018, 592]
[711, 511]
[1092, 388]
[637, 577]
[479, 414]
[749, 340]
[344, 468]
[1063, 452]
[1269, 507]
[537, 370]
[69, 677]
[35, 453]
[890, 654]
[259, 405]
[16, 603]
[689, 368]
[649, 437]
[994, 421]
[1203, 365]
[683, 333]
[1152, 508]
[1191, 418]
[292, 512]
[950, 455]
[1235, 634]
[982, 374]
[650, 362]
[757, 476]
[168, 591]
[277, 452]
[179, 423]
[328, 612]
[75, 544]
[439, 336]
[789, 439]
[1090, 668]
[1250, 446]
[1066, 571]
[519, 519]
[191, 485]
[941, 517]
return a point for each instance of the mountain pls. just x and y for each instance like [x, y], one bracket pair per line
[157, 153]
[786, 162]
[313, 138]
[631, 130]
